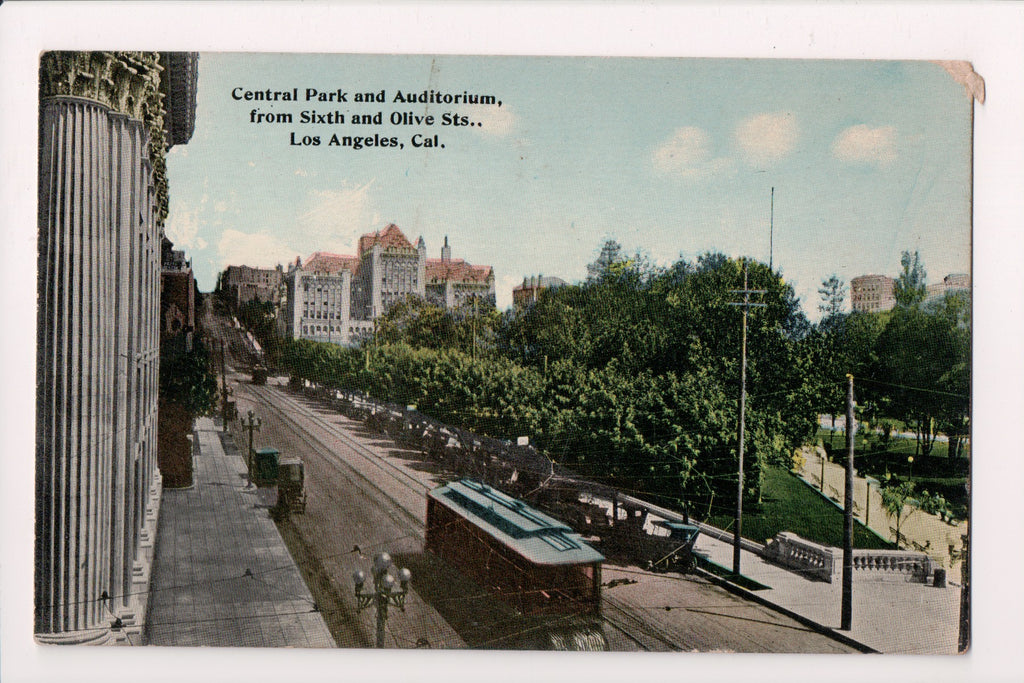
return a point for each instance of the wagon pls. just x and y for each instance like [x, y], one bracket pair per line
[291, 492]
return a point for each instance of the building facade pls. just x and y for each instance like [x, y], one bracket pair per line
[952, 283]
[252, 284]
[177, 295]
[532, 286]
[872, 293]
[105, 127]
[452, 282]
[335, 298]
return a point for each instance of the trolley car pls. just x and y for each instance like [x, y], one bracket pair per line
[534, 563]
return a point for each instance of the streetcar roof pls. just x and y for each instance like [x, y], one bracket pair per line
[538, 537]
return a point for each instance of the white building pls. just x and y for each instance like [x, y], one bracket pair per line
[335, 298]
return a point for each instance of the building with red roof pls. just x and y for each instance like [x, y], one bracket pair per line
[335, 298]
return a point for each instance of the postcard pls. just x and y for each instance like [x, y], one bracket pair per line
[515, 353]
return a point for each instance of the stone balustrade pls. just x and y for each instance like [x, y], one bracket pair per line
[891, 565]
[807, 557]
[826, 562]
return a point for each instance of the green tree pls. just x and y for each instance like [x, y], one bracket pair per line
[186, 374]
[911, 286]
[609, 255]
[895, 499]
[833, 297]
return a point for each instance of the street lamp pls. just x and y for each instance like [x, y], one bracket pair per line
[384, 592]
[252, 423]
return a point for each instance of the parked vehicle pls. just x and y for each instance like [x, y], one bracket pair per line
[291, 492]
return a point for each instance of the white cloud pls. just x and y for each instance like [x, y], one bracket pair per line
[258, 250]
[688, 154]
[301, 172]
[334, 219]
[494, 120]
[503, 288]
[182, 227]
[862, 145]
[766, 138]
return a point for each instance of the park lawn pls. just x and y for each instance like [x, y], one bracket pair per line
[934, 473]
[788, 504]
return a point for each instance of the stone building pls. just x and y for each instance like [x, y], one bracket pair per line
[952, 283]
[335, 298]
[318, 300]
[389, 268]
[532, 286]
[247, 284]
[106, 120]
[872, 293]
[450, 283]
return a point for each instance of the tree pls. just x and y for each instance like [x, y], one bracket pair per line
[895, 496]
[833, 297]
[610, 254]
[911, 288]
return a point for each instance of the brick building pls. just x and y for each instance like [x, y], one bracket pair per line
[872, 293]
[247, 284]
[532, 286]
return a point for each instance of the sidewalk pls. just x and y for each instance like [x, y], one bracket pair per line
[893, 618]
[222, 575]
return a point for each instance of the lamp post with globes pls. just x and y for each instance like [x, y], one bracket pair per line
[251, 423]
[384, 592]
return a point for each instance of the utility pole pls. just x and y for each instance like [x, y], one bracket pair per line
[771, 232]
[847, 610]
[964, 639]
[224, 387]
[738, 521]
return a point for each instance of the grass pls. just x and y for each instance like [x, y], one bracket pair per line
[788, 504]
[934, 473]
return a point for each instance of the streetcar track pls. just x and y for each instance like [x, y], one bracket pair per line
[392, 470]
[347, 469]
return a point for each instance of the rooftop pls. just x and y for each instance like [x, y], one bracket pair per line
[390, 237]
[456, 270]
[539, 538]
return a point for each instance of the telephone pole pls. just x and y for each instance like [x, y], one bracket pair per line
[225, 412]
[738, 522]
[771, 231]
[847, 609]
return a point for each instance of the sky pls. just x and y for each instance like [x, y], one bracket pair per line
[670, 157]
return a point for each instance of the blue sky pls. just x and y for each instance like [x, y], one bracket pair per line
[672, 157]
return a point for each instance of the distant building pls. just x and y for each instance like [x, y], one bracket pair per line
[954, 282]
[532, 286]
[247, 284]
[318, 300]
[872, 293]
[388, 269]
[452, 282]
[335, 298]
